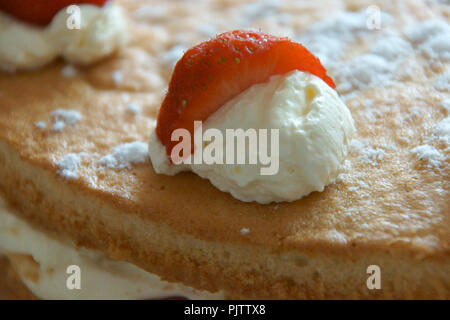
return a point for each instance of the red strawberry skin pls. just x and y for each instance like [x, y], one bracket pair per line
[40, 12]
[215, 71]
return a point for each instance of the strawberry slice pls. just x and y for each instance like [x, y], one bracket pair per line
[40, 12]
[215, 71]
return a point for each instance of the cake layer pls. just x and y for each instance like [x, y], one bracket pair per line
[389, 206]
[326, 270]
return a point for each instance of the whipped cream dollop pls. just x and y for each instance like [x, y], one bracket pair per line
[22, 46]
[315, 131]
[101, 277]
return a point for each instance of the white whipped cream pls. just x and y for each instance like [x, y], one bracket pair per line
[315, 131]
[24, 47]
[101, 278]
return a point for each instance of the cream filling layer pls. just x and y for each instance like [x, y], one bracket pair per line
[96, 33]
[100, 277]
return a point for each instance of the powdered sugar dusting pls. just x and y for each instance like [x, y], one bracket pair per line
[426, 30]
[69, 164]
[364, 71]
[372, 156]
[58, 126]
[126, 154]
[245, 231]
[368, 154]
[375, 68]
[442, 82]
[391, 48]
[442, 131]
[327, 38]
[432, 37]
[63, 117]
[429, 154]
[40, 124]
